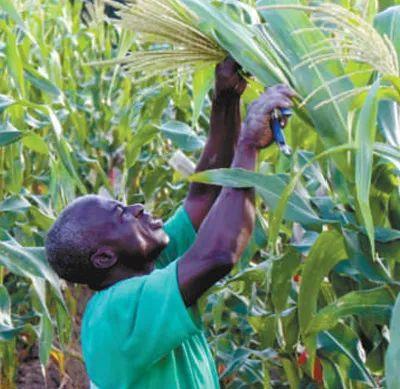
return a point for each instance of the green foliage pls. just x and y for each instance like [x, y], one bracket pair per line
[365, 137]
[319, 278]
[392, 355]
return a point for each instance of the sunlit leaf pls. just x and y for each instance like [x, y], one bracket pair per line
[14, 63]
[270, 188]
[374, 303]
[326, 252]
[35, 143]
[41, 82]
[202, 83]
[182, 135]
[365, 138]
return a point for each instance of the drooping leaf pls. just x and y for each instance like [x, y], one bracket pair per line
[27, 262]
[14, 203]
[7, 330]
[202, 83]
[277, 216]
[5, 102]
[35, 143]
[45, 339]
[253, 274]
[361, 260]
[327, 251]
[330, 121]
[269, 187]
[14, 63]
[141, 138]
[182, 135]
[388, 24]
[342, 345]
[238, 40]
[365, 138]
[374, 303]
[40, 82]
[9, 134]
[283, 270]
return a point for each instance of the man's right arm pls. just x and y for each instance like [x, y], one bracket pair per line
[225, 232]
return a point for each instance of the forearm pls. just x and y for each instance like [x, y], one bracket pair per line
[226, 230]
[232, 215]
[221, 143]
[223, 235]
[218, 153]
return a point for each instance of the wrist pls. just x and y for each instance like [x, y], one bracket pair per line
[226, 97]
[245, 155]
[246, 143]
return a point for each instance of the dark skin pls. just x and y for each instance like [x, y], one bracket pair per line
[222, 139]
[129, 240]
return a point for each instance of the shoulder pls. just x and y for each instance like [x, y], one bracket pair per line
[112, 301]
[124, 295]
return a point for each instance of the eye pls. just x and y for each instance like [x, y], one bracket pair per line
[139, 213]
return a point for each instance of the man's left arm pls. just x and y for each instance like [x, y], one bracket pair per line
[219, 150]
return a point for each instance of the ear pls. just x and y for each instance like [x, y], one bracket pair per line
[104, 258]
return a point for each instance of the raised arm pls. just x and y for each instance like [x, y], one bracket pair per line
[226, 229]
[222, 138]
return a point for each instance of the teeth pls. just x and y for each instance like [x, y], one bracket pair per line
[157, 223]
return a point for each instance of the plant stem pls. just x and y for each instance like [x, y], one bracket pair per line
[291, 373]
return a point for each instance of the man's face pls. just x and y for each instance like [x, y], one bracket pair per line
[131, 232]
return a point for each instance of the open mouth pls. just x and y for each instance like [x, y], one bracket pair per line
[156, 224]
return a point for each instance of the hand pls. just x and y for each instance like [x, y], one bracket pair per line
[228, 81]
[256, 129]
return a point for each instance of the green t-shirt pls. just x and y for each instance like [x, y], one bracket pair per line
[138, 333]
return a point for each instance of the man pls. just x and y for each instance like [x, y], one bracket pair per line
[142, 328]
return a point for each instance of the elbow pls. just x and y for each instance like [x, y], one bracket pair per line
[222, 262]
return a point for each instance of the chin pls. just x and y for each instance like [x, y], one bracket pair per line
[159, 245]
[165, 240]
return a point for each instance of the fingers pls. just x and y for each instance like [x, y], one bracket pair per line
[281, 101]
[267, 103]
[286, 90]
[278, 96]
[228, 65]
[281, 89]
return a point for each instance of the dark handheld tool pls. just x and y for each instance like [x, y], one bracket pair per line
[276, 118]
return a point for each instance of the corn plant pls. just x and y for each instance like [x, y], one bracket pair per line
[102, 106]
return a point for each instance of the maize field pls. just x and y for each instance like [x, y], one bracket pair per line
[120, 107]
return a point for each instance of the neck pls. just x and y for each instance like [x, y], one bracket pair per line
[121, 272]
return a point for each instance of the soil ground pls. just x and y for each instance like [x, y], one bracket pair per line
[29, 374]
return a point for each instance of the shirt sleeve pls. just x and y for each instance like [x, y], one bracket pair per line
[154, 320]
[182, 235]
